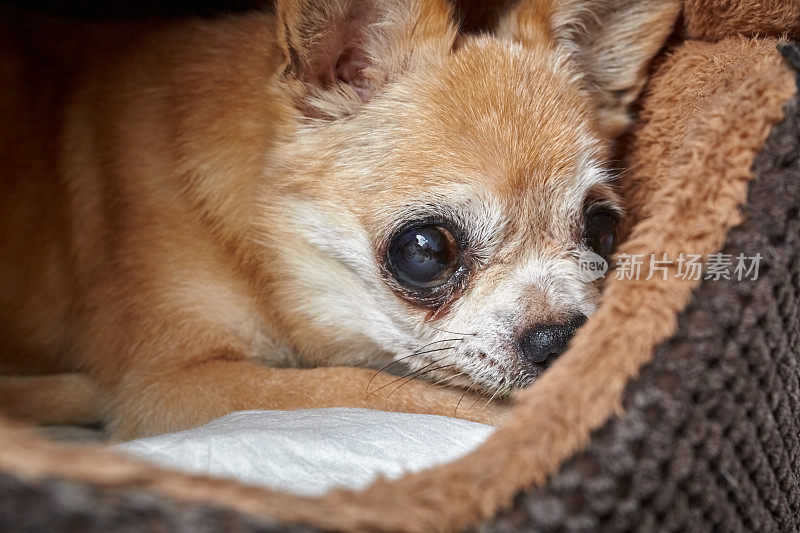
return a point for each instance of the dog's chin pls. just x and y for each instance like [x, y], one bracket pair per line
[490, 379]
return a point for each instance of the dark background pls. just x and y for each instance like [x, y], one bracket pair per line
[475, 15]
[124, 9]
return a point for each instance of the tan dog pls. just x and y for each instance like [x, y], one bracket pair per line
[195, 215]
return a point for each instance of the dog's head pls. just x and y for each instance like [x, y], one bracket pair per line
[438, 189]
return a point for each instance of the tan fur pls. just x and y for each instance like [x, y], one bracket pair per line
[190, 207]
[57, 399]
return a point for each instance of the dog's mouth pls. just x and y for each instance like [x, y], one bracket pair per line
[461, 361]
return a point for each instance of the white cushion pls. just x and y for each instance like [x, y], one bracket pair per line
[310, 451]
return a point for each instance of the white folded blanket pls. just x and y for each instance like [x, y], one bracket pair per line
[310, 451]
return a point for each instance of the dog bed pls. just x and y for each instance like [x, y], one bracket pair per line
[677, 406]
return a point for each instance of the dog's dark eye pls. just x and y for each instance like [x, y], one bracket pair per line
[423, 257]
[600, 232]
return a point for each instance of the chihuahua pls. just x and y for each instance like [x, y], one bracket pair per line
[259, 210]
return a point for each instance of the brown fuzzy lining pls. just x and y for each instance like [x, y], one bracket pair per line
[707, 112]
[712, 20]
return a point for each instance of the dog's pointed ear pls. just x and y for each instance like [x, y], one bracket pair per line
[611, 42]
[341, 53]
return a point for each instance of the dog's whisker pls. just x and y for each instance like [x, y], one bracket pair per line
[452, 332]
[470, 407]
[410, 374]
[412, 378]
[440, 381]
[455, 411]
[426, 352]
[446, 378]
[496, 390]
[418, 374]
[406, 376]
[416, 353]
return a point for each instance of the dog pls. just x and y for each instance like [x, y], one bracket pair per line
[256, 211]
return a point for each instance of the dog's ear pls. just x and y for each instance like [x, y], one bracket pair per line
[340, 53]
[611, 42]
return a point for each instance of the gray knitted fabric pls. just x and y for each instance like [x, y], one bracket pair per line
[56, 506]
[710, 440]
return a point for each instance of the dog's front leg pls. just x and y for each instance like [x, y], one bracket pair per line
[192, 394]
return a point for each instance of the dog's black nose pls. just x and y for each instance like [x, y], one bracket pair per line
[542, 343]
